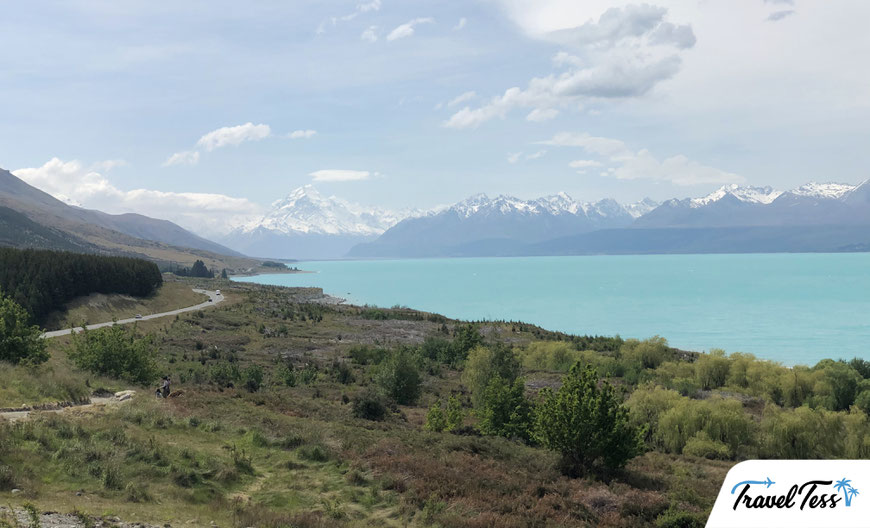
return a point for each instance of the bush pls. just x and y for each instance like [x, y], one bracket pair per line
[253, 378]
[701, 445]
[586, 424]
[679, 519]
[399, 377]
[711, 370]
[116, 352]
[647, 354]
[369, 406]
[20, 342]
[486, 363]
[436, 420]
[365, 355]
[342, 373]
[455, 414]
[224, 374]
[286, 375]
[506, 411]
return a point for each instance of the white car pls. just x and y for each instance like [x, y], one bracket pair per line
[138, 316]
[217, 292]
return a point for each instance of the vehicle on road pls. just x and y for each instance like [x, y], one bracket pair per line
[138, 316]
[217, 292]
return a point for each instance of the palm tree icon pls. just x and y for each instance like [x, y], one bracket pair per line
[845, 485]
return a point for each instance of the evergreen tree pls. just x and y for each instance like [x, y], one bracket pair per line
[19, 341]
[586, 423]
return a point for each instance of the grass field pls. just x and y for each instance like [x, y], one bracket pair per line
[296, 455]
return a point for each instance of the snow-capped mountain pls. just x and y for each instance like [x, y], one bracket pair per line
[733, 205]
[758, 195]
[305, 210]
[485, 225]
[306, 225]
[824, 190]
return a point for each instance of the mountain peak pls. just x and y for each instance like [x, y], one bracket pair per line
[824, 190]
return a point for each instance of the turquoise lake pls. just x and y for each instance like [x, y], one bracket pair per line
[792, 308]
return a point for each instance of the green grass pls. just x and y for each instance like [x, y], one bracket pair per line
[296, 456]
[101, 308]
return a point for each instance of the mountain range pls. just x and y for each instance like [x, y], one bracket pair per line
[308, 225]
[813, 217]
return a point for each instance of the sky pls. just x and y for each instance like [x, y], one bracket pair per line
[205, 112]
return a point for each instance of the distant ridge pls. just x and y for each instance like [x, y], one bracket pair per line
[32, 218]
[813, 217]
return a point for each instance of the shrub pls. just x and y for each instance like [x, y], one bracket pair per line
[399, 377]
[224, 374]
[648, 354]
[586, 424]
[506, 411]
[679, 519]
[116, 352]
[286, 375]
[369, 406]
[314, 453]
[455, 414]
[711, 370]
[486, 363]
[342, 373]
[253, 378]
[365, 355]
[19, 341]
[701, 445]
[436, 420]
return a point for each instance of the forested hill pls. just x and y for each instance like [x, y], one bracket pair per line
[43, 281]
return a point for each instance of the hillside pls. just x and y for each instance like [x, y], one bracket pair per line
[287, 413]
[34, 219]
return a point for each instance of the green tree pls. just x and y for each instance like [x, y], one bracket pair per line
[253, 378]
[586, 423]
[455, 414]
[19, 341]
[486, 363]
[436, 420]
[506, 411]
[115, 352]
[224, 274]
[399, 377]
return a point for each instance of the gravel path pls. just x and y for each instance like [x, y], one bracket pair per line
[214, 298]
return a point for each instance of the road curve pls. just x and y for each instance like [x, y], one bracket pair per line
[213, 296]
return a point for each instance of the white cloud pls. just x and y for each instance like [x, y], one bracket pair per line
[407, 29]
[188, 157]
[364, 7]
[205, 213]
[302, 134]
[630, 165]
[776, 16]
[339, 175]
[459, 99]
[539, 115]
[370, 34]
[584, 164]
[235, 135]
[622, 55]
[461, 24]
[514, 157]
[107, 165]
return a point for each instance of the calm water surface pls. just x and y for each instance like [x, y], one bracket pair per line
[793, 308]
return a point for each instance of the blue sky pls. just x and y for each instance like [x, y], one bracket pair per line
[418, 103]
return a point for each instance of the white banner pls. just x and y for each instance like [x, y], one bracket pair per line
[794, 494]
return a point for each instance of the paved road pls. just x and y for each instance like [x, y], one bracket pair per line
[213, 296]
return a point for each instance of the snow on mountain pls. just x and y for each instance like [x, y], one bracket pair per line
[759, 195]
[306, 211]
[638, 209]
[824, 190]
